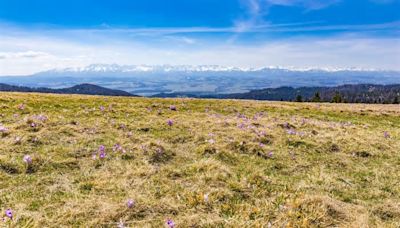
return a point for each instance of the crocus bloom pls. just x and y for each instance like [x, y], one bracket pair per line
[205, 197]
[117, 147]
[21, 107]
[172, 108]
[386, 134]
[41, 117]
[270, 154]
[121, 225]
[102, 154]
[102, 151]
[102, 108]
[18, 139]
[291, 131]
[3, 129]
[27, 159]
[170, 223]
[170, 122]
[130, 203]
[9, 213]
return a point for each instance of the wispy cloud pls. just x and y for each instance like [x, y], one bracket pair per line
[25, 54]
[307, 4]
[257, 10]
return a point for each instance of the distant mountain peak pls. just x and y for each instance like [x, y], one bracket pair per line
[115, 68]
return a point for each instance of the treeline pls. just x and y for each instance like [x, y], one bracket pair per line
[338, 98]
[362, 93]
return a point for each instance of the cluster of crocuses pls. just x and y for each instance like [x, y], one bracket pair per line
[241, 116]
[118, 148]
[101, 152]
[291, 131]
[259, 115]
[211, 140]
[40, 117]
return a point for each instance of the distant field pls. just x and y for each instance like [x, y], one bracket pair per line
[209, 163]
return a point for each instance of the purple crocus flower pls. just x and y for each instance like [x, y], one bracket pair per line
[33, 124]
[172, 108]
[291, 131]
[211, 141]
[241, 126]
[21, 106]
[41, 118]
[121, 225]
[205, 196]
[386, 135]
[270, 154]
[130, 203]
[102, 151]
[9, 213]
[3, 129]
[170, 223]
[102, 108]
[170, 123]
[102, 154]
[27, 159]
[18, 139]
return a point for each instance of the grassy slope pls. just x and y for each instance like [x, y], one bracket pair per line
[338, 170]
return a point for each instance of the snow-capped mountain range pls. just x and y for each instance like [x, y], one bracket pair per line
[194, 68]
[202, 79]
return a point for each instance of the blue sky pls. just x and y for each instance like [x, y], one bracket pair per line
[44, 34]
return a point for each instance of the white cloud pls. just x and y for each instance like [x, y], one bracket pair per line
[25, 54]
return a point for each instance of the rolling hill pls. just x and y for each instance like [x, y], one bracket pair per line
[87, 89]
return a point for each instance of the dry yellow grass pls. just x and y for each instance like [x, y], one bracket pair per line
[222, 163]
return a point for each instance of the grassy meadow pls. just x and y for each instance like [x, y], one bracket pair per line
[90, 161]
